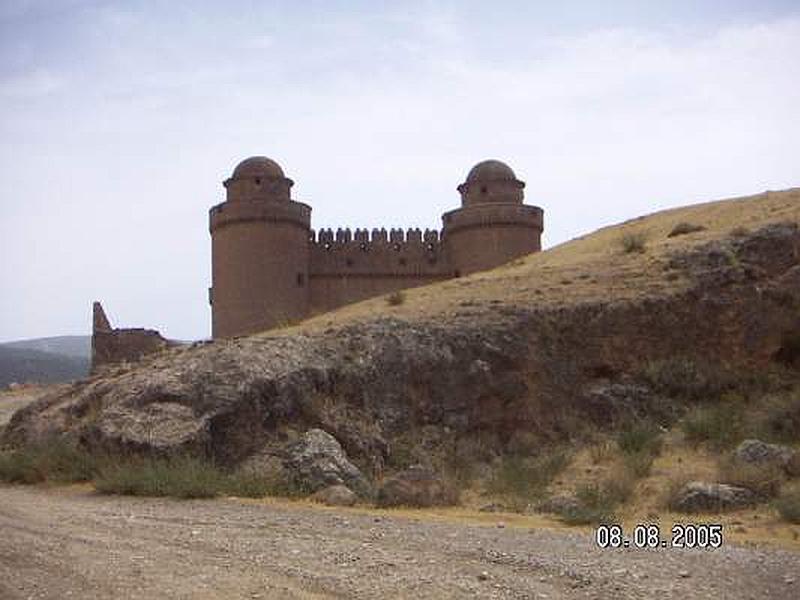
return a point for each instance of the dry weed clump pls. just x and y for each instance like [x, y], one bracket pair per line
[633, 242]
[396, 298]
[597, 502]
[788, 506]
[522, 480]
[683, 228]
[763, 480]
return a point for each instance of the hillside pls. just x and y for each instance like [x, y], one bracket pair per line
[601, 371]
[25, 365]
[78, 346]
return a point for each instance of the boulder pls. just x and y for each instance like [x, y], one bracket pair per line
[701, 496]
[559, 505]
[317, 461]
[415, 486]
[335, 495]
[762, 453]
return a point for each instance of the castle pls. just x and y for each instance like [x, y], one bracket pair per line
[269, 267]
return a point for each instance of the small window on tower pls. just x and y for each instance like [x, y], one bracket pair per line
[484, 189]
[301, 279]
[258, 181]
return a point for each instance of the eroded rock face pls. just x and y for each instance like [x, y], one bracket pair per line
[317, 461]
[700, 496]
[501, 370]
[415, 486]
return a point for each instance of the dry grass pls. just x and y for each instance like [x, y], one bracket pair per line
[633, 242]
[536, 278]
[684, 228]
[763, 480]
[396, 298]
[788, 506]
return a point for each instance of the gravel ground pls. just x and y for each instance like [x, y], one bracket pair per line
[72, 543]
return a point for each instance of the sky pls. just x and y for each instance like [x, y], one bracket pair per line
[120, 120]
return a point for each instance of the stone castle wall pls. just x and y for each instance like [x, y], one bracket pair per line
[347, 266]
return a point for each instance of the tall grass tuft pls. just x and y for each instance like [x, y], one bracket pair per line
[522, 480]
[633, 242]
[181, 477]
[640, 438]
[53, 460]
[788, 506]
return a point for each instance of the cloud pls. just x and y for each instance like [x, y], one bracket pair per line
[377, 116]
[28, 86]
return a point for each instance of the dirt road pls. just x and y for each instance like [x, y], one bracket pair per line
[71, 543]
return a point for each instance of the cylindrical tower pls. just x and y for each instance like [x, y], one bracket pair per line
[492, 226]
[259, 252]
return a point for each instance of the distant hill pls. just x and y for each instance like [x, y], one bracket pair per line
[79, 346]
[45, 360]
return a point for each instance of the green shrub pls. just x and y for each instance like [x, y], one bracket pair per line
[250, 485]
[720, 426]
[181, 477]
[779, 420]
[597, 502]
[53, 460]
[396, 298]
[640, 438]
[19, 467]
[684, 378]
[638, 464]
[683, 228]
[525, 479]
[788, 506]
[633, 242]
[763, 480]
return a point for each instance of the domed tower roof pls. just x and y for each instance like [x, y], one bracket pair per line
[257, 166]
[258, 178]
[491, 181]
[491, 170]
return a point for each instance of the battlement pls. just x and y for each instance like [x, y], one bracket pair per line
[328, 238]
[376, 253]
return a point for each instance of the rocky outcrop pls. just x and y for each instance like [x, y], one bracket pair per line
[503, 370]
[560, 504]
[335, 495]
[415, 486]
[756, 452]
[317, 461]
[700, 496]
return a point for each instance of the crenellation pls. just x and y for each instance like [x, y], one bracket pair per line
[269, 266]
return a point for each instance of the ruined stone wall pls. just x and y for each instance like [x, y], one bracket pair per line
[110, 346]
[348, 266]
[124, 345]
